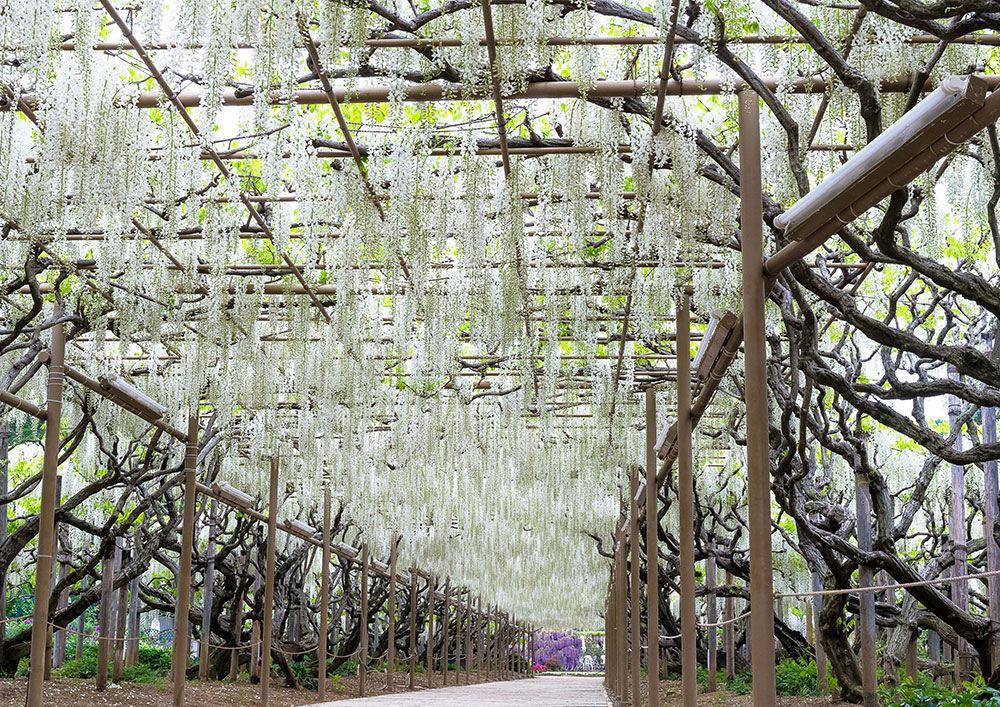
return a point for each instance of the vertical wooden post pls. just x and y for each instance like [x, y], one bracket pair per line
[729, 632]
[431, 590]
[652, 558]
[413, 627]
[991, 489]
[4, 485]
[912, 660]
[205, 653]
[633, 582]
[363, 663]
[81, 625]
[685, 499]
[957, 530]
[181, 648]
[821, 681]
[255, 651]
[445, 621]
[47, 516]
[711, 617]
[324, 600]
[621, 623]
[390, 665]
[480, 639]
[468, 638]
[121, 619]
[268, 619]
[105, 618]
[866, 600]
[59, 637]
[236, 628]
[134, 630]
[755, 376]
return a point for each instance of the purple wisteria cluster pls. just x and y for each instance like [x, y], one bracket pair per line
[558, 650]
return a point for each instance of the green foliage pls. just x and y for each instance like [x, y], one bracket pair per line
[349, 667]
[153, 665]
[927, 693]
[797, 678]
[740, 684]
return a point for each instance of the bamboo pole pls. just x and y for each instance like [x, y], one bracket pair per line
[390, 665]
[268, 619]
[181, 649]
[685, 500]
[633, 583]
[652, 558]
[755, 377]
[47, 515]
[324, 602]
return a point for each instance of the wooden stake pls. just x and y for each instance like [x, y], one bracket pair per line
[324, 601]
[685, 499]
[413, 627]
[866, 600]
[821, 681]
[121, 619]
[134, 630]
[255, 651]
[652, 558]
[430, 630]
[47, 516]
[181, 649]
[755, 377]
[445, 625]
[711, 618]
[205, 652]
[633, 581]
[729, 632]
[267, 630]
[363, 663]
[390, 665]
[106, 618]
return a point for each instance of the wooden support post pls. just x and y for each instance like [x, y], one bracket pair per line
[431, 589]
[324, 600]
[621, 622]
[912, 659]
[205, 652]
[363, 663]
[105, 615]
[255, 651]
[821, 682]
[755, 377]
[81, 625]
[633, 581]
[480, 639]
[729, 632]
[268, 619]
[236, 629]
[47, 516]
[866, 600]
[134, 630]
[413, 627]
[390, 665]
[991, 489]
[59, 637]
[4, 489]
[445, 625]
[468, 638]
[181, 647]
[652, 558]
[710, 618]
[957, 530]
[121, 619]
[685, 499]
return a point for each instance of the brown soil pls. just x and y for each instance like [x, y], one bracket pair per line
[74, 692]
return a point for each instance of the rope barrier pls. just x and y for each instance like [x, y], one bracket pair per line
[881, 587]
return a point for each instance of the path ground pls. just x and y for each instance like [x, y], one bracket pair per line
[537, 692]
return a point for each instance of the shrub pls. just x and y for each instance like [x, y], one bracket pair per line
[797, 678]
[927, 693]
[152, 664]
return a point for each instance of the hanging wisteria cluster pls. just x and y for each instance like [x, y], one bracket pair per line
[444, 354]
